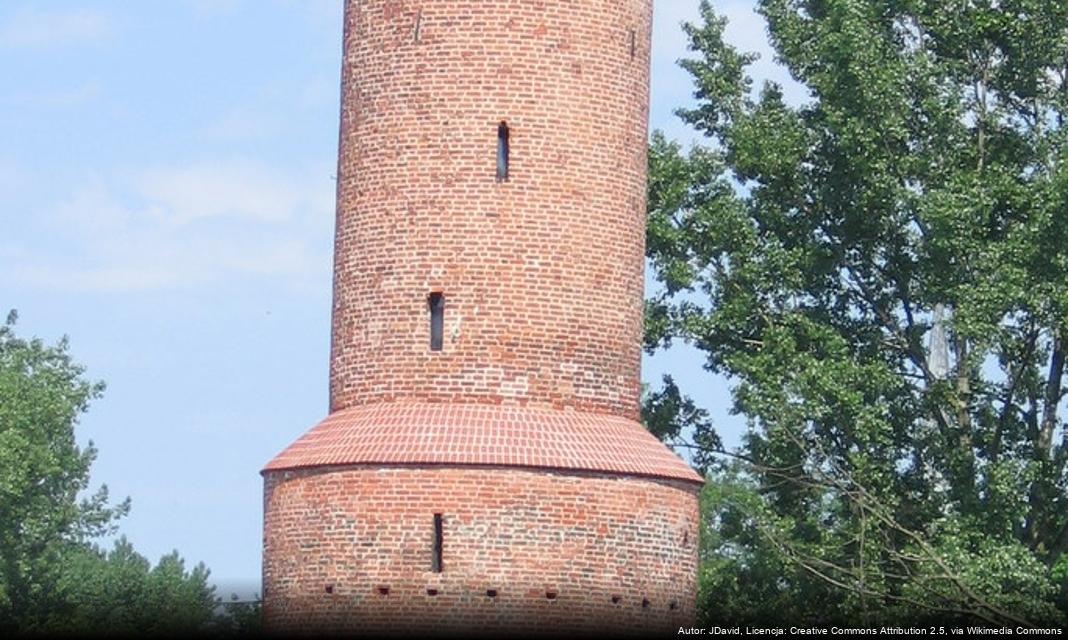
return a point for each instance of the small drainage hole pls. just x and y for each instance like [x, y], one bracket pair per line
[491, 593]
[616, 599]
[645, 603]
[432, 592]
[383, 591]
[329, 588]
[551, 595]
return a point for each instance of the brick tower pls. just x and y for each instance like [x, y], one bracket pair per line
[482, 466]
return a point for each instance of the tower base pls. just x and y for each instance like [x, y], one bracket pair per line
[527, 551]
[443, 519]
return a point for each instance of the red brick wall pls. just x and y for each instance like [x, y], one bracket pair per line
[542, 274]
[542, 278]
[485, 435]
[585, 537]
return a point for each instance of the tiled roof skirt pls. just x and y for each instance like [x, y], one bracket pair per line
[472, 434]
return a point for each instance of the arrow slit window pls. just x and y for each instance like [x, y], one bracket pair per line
[437, 320]
[502, 151]
[435, 562]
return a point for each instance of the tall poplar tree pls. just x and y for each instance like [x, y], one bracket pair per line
[882, 273]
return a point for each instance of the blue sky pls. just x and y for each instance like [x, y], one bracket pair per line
[166, 200]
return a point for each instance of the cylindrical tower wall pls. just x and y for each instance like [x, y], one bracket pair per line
[524, 551]
[507, 444]
[541, 273]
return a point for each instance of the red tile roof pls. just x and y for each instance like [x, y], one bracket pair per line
[471, 434]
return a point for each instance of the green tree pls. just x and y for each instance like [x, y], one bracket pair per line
[821, 255]
[121, 593]
[42, 473]
[53, 578]
[243, 617]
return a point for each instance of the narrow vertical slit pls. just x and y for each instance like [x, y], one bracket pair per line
[633, 43]
[437, 321]
[435, 562]
[418, 26]
[502, 152]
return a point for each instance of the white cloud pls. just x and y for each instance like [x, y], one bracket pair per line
[59, 99]
[245, 124]
[270, 113]
[100, 279]
[204, 225]
[207, 190]
[36, 28]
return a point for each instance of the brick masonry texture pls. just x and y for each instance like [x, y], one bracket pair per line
[338, 538]
[542, 274]
[522, 431]
[483, 435]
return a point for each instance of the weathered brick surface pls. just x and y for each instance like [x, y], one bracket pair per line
[524, 533]
[522, 430]
[408, 433]
[542, 274]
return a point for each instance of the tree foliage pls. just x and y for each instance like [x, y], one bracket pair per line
[42, 473]
[121, 592]
[53, 577]
[822, 254]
